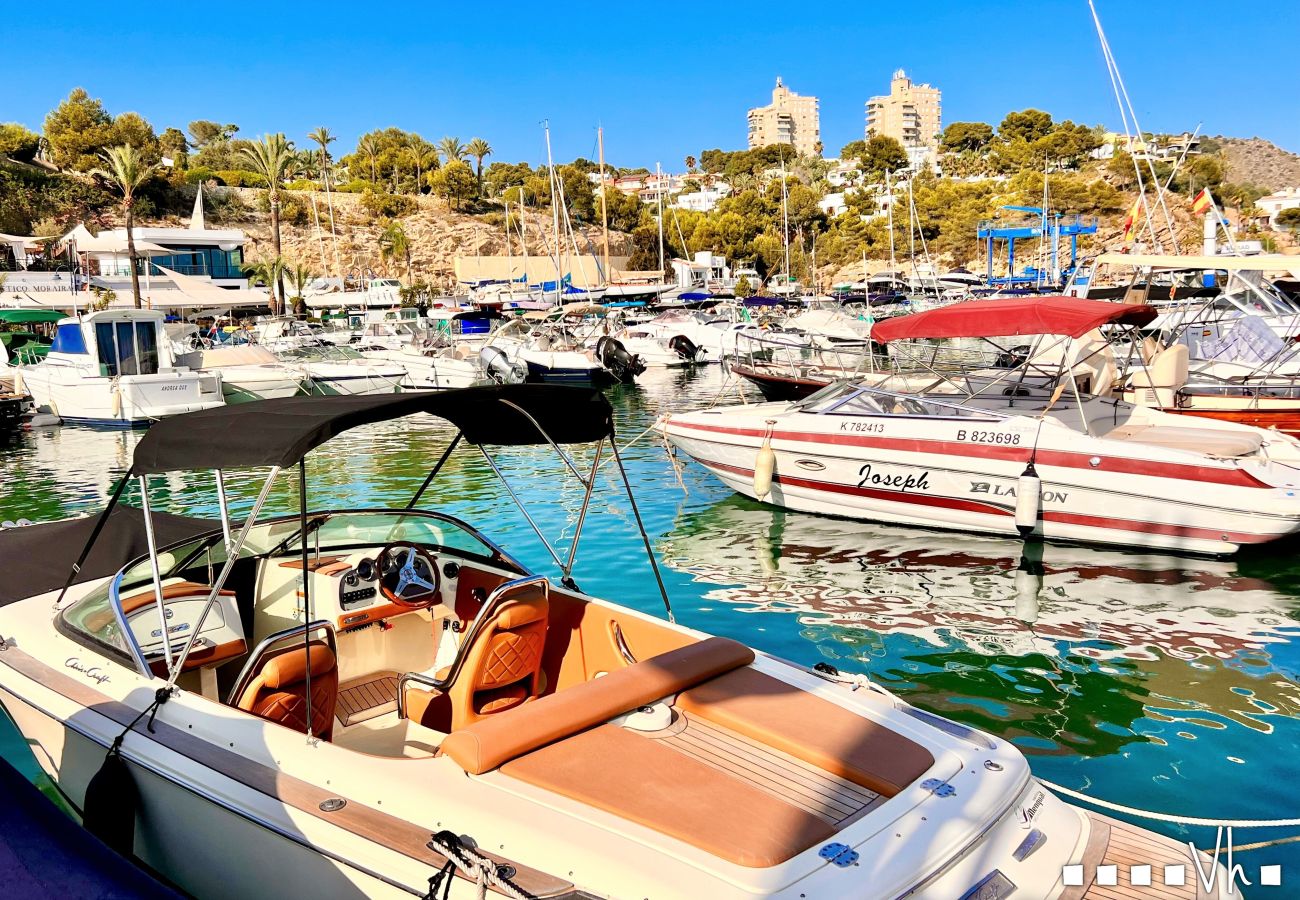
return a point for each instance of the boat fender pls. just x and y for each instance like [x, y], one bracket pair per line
[20, 387]
[117, 402]
[764, 466]
[1028, 500]
[109, 810]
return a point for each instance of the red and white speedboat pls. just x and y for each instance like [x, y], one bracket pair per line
[1005, 451]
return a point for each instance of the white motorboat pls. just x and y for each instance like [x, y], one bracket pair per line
[293, 722]
[248, 371]
[536, 350]
[433, 367]
[341, 370]
[1001, 453]
[116, 367]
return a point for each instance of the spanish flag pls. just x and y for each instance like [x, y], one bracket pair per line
[1130, 221]
[1203, 202]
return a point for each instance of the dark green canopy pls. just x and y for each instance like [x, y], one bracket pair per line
[30, 316]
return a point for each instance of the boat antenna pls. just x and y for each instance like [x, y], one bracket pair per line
[604, 202]
[306, 584]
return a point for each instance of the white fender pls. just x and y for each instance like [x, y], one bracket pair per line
[20, 386]
[1028, 500]
[117, 402]
[764, 467]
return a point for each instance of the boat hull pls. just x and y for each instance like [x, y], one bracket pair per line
[128, 401]
[940, 481]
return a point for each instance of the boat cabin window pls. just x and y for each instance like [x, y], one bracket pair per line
[127, 348]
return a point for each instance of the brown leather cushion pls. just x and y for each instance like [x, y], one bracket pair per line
[651, 784]
[279, 692]
[498, 739]
[290, 667]
[807, 727]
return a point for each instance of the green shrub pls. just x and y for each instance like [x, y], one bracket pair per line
[390, 205]
[240, 178]
[302, 184]
[355, 186]
[201, 175]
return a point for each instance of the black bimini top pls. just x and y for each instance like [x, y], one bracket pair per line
[37, 558]
[281, 432]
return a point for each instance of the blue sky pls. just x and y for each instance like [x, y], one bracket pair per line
[665, 79]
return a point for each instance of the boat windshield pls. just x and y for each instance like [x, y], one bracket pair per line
[340, 531]
[849, 399]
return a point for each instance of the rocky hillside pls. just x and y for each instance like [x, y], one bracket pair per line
[1260, 162]
[436, 234]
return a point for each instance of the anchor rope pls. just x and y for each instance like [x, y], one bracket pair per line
[483, 870]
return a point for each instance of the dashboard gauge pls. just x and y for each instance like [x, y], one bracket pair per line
[366, 570]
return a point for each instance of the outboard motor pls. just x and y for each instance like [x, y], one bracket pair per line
[684, 347]
[623, 366]
[499, 368]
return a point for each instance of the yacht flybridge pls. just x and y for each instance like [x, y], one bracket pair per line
[336, 702]
[1038, 445]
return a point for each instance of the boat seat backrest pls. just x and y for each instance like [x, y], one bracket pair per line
[503, 666]
[1167, 369]
[495, 740]
[278, 691]
[1093, 364]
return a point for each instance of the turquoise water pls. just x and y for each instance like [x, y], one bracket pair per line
[1166, 683]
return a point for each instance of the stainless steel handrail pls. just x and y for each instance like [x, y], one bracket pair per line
[246, 673]
[502, 592]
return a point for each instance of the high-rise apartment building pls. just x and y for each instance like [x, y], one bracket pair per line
[790, 119]
[910, 113]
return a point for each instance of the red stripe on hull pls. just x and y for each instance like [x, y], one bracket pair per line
[1061, 458]
[1065, 518]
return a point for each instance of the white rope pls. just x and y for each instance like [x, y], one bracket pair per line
[1165, 817]
[482, 869]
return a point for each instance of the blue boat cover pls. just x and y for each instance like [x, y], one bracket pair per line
[44, 854]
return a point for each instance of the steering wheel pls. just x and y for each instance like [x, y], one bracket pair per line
[408, 575]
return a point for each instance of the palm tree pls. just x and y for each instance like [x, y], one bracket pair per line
[394, 244]
[299, 277]
[323, 137]
[425, 157]
[127, 172]
[272, 157]
[479, 148]
[368, 147]
[451, 149]
[269, 273]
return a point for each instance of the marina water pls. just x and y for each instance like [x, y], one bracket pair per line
[1166, 683]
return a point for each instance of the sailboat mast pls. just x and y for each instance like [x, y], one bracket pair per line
[889, 191]
[604, 207]
[785, 220]
[555, 209]
[659, 194]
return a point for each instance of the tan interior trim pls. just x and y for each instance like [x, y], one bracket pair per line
[316, 565]
[498, 739]
[359, 617]
[777, 714]
[139, 600]
[357, 818]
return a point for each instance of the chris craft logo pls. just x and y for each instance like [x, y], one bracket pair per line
[94, 673]
[1212, 881]
[869, 477]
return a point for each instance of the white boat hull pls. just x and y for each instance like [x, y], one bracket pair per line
[950, 474]
[124, 401]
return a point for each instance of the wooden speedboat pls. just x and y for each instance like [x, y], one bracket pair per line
[1010, 452]
[336, 702]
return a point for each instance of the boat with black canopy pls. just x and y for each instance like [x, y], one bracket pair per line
[386, 703]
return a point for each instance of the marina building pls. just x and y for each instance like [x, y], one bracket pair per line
[789, 119]
[909, 113]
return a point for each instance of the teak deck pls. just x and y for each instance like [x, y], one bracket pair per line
[367, 697]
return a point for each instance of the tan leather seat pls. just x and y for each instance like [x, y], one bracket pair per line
[279, 691]
[503, 667]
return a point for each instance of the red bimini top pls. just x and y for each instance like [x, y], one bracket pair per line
[1065, 316]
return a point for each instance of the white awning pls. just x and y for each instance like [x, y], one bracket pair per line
[1261, 263]
[204, 293]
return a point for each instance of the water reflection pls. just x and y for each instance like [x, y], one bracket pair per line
[1066, 649]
